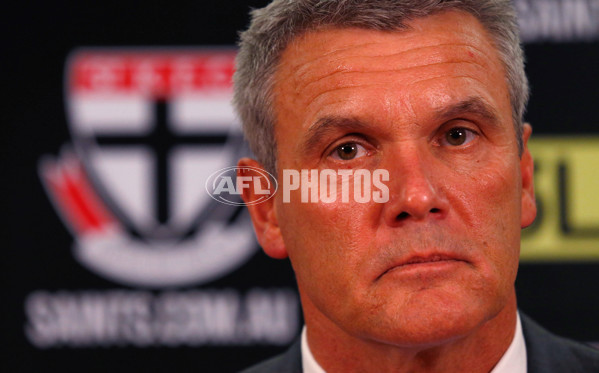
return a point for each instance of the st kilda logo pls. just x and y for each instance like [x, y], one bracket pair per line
[148, 128]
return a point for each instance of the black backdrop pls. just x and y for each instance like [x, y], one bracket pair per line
[36, 39]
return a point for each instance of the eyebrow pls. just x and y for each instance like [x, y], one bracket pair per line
[472, 105]
[330, 125]
[333, 124]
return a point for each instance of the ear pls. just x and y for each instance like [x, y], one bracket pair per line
[263, 214]
[529, 206]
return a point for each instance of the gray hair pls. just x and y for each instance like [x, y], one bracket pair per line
[273, 27]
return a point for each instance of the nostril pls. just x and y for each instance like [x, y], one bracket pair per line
[404, 215]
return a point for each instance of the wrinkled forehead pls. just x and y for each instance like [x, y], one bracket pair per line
[329, 58]
[330, 44]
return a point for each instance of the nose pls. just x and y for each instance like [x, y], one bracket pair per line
[415, 190]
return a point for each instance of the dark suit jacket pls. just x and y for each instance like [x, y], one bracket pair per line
[545, 353]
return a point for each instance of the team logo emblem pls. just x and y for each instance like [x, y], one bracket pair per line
[148, 128]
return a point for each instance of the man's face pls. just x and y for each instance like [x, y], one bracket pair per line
[431, 106]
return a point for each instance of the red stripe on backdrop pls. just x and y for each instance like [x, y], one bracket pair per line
[76, 198]
[158, 74]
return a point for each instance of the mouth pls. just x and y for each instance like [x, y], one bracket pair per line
[424, 262]
[427, 259]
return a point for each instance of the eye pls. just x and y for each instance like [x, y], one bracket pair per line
[348, 151]
[458, 136]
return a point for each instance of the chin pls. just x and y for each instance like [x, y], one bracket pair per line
[431, 320]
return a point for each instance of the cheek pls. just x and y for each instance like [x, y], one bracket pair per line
[324, 229]
[492, 209]
[500, 195]
[325, 248]
[488, 198]
[326, 242]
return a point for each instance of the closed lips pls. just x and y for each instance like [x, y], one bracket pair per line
[422, 259]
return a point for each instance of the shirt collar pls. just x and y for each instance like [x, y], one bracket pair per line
[309, 364]
[512, 361]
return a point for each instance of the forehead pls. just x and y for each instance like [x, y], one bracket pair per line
[436, 58]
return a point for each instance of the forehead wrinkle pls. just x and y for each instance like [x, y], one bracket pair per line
[408, 109]
[303, 69]
[312, 100]
[346, 85]
[302, 84]
[402, 36]
[442, 76]
[297, 45]
[468, 98]
[300, 69]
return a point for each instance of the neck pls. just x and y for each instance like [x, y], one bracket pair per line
[476, 351]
